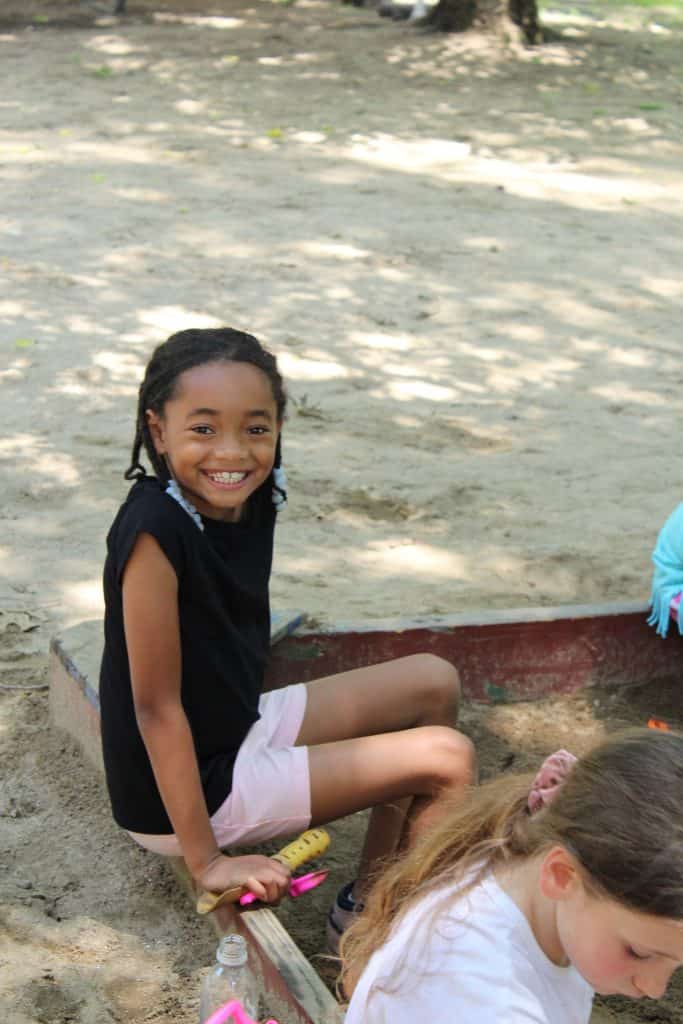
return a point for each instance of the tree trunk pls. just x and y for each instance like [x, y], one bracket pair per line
[487, 15]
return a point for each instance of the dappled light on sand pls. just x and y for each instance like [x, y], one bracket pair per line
[83, 598]
[466, 256]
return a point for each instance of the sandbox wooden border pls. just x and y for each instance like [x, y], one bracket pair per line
[503, 655]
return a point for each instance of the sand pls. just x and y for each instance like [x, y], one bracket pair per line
[467, 258]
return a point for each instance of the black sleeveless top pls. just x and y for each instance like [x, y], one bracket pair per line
[223, 574]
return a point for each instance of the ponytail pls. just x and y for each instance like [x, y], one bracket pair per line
[490, 827]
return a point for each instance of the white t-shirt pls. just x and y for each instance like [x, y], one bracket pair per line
[467, 960]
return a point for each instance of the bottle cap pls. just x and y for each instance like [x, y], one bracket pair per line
[232, 951]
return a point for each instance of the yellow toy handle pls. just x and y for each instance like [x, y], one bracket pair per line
[309, 844]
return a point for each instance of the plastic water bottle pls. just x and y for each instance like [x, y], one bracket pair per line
[230, 978]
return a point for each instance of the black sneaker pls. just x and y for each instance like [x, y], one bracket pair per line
[343, 912]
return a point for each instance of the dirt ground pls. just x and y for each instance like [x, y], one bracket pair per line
[467, 257]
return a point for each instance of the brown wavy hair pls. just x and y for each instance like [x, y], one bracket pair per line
[619, 814]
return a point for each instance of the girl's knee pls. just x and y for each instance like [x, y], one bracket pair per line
[452, 757]
[463, 759]
[440, 699]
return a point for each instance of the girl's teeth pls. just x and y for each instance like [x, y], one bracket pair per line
[227, 478]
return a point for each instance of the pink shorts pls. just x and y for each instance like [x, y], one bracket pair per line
[271, 789]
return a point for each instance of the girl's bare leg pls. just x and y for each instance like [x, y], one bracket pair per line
[430, 765]
[418, 690]
[383, 737]
[385, 834]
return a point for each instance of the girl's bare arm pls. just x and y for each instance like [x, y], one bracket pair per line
[150, 613]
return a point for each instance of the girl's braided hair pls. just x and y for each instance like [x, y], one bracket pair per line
[184, 351]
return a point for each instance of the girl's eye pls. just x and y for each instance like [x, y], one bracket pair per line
[202, 429]
[636, 956]
[258, 430]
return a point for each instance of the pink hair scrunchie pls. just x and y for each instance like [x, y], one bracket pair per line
[553, 774]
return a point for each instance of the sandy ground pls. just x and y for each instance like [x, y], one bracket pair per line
[468, 259]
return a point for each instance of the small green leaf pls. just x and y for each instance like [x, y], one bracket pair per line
[24, 342]
[104, 71]
[274, 133]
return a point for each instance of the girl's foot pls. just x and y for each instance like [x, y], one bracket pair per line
[342, 913]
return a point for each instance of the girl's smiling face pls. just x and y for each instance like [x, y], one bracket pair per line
[218, 435]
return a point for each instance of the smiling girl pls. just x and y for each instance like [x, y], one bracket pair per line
[197, 758]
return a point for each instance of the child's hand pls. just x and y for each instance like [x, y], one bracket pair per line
[266, 878]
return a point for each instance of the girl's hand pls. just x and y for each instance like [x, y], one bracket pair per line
[266, 878]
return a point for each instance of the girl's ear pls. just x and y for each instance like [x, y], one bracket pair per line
[559, 874]
[157, 430]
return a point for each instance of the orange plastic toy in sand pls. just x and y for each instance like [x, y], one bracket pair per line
[657, 723]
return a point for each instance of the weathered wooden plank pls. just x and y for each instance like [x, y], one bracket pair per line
[74, 704]
[295, 993]
[517, 654]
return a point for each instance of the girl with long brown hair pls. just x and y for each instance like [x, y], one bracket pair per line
[531, 895]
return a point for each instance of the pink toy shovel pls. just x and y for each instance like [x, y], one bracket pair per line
[235, 1010]
[298, 886]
